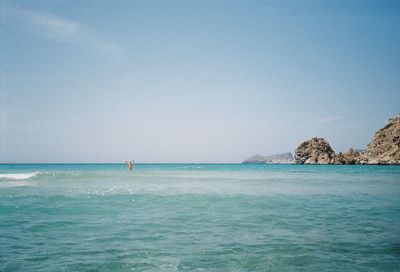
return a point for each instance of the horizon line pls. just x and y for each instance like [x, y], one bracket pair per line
[144, 163]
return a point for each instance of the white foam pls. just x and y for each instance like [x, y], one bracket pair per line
[18, 176]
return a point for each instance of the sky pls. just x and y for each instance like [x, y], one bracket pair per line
[193, 81]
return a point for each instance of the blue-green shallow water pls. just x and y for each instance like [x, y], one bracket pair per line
[199, 217]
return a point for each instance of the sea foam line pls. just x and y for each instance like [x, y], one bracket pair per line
[19, 176]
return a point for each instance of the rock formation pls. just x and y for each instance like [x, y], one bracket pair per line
[284, 158]
[384, 149]
[350, 157]
[314, 151]
[385, 145]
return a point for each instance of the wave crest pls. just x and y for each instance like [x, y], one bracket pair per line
[18, 176]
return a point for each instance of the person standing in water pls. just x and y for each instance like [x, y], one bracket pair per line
[130, 164]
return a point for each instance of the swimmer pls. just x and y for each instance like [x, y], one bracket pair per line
[130, 165]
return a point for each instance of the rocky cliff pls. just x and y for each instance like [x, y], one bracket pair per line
[284, 158]
[383, 149]
[314, 151]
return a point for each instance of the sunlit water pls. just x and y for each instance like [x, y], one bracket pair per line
[199, 217]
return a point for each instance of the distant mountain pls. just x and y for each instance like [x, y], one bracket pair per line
[282, 158]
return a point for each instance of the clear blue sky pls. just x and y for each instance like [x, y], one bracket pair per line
[193, 81]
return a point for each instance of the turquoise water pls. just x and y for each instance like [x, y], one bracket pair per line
[199, 217]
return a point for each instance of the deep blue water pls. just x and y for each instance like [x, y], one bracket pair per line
[199, 217]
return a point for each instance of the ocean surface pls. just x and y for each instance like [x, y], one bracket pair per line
[199, 217]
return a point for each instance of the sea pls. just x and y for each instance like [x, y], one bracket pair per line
[199, 217]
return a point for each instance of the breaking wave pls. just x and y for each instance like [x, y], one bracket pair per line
[18, 176]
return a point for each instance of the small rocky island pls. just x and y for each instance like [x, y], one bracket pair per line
[283, 158]
[383, 149]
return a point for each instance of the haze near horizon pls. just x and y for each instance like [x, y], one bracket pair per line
[193, 81]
